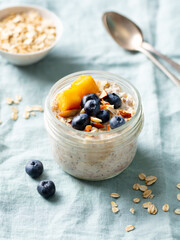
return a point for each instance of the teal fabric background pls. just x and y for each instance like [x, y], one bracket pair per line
[81, 210]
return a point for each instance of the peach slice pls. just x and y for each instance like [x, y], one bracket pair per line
[85, 84]
[68, 100]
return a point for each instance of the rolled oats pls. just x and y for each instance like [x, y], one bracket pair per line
[103, 94]
[132, 210]
[142, 176]
[143, 188]
[136, 186]
[136, 200]
[0, 122]
[165, 207]
[9, 101]
[129, 228]
[33, 113]
[178, 185]
[14, 116]
[115, 195]
[26, 32]
[146, 204]
[177, 211]
[149, 180]
[147, 193]
[115, 209]
[155, 211]
[114, 204]
[178, 196]
[151, 208]
[26, 115]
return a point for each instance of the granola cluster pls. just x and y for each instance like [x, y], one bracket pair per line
[26, 32]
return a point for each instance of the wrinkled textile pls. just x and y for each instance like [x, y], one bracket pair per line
[81, 209]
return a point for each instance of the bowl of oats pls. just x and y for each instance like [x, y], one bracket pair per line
[93, 119]
[28, 33]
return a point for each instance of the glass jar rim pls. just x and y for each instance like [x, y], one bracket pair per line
[120, 129]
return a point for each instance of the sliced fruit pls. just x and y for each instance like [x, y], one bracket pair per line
[84, 84]
[68, 100]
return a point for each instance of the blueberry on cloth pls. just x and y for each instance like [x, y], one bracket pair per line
[46, 188]
[116, 121]
[34, 168]
[91, 96]
[92, 107]
[79, 122]
[104, 115]
[113, 99]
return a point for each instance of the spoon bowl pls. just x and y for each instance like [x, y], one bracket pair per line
[129, 36]
[126, 33]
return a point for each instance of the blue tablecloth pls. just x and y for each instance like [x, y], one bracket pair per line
[81, 210]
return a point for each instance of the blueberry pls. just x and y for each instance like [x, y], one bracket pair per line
[92, 107]
[104, 115]
[34, 168]
[79, 122]
[113, 99]
[46, 188]
[116, 121]
[91, 96]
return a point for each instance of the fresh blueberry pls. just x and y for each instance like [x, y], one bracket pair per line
[104, 115]
[113, 99]
[92, 107]
[46, 188]
[116, 121]
[79, 122]
[34, 168]
[91, 96]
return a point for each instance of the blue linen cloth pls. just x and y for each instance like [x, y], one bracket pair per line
[81, 209]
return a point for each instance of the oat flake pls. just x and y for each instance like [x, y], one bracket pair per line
[165, 207]
[146, 204]
[136, 186]
[147, 193]
[26, 115]
[9, 101]
[14, 116]
[178, 196]
[142, 176]
[115, 209]
[115, 195]
[178, 185]
[129, 228]
[136, 200]
[143, 188]
[132, 210]
[177, 211]
[114, 204]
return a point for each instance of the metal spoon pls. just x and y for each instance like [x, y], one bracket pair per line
[129, 36]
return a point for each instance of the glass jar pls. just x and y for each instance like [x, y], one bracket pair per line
[93, 156]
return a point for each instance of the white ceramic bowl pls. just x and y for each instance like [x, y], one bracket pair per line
[29, 58]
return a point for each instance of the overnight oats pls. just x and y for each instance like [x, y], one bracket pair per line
[93, 120]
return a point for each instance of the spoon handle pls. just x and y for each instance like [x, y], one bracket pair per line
[159, 65]
[150, 48]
